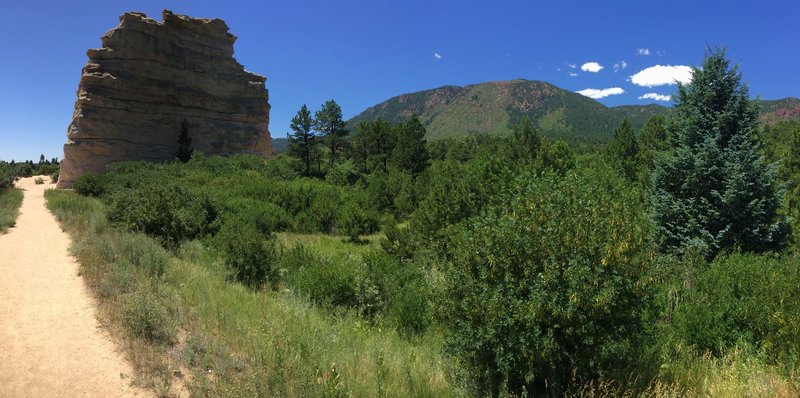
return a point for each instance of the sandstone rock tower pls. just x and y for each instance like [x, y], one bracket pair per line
[136, 91]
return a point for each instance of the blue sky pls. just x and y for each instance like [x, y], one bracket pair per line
[363, 52]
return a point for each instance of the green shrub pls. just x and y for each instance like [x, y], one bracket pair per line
[355, 221]
[10, 201]
[741, 297]
[343, 174]
[7, 176]
[170, 213]
[267, 216]
[549, 287]
[146, 317]
[54, 175]
[284, 167]
[325, 281]
[398, 241]
[249, 253]
[39, 180]
[143, 253]
[91, 184]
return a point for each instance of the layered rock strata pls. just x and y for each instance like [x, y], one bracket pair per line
[147, 79]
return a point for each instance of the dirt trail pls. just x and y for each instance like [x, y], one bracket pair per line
[50, 341]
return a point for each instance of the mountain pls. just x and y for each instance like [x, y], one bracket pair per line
[494, 107]
[280, 145]
[773, 111]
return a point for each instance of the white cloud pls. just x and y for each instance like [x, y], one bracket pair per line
[593, 67]
[601, 93]
[573, 66]
[656, 96]
[624, 64]
[660, 75]
[620, 65]
[573, 74]
[642, 51]
[437, 56]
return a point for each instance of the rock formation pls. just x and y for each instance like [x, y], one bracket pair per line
[148, 78]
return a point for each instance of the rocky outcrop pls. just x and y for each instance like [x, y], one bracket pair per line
[136, 91]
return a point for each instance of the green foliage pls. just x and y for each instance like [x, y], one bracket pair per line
[623, 151]
[343, 174]
[54, 175]
[551, 284]
[146, 317]
[168, 212]
[258, 342]
[355, 221]
[8, 176]
[372, 144]
[332, 129]
[409, 153]
[249, 252]
[782, 144]
[741, 298]
[302, 140]
[555, 156]
[653, 139]
[713, 190]
[323, 280]
[526, 141]
[141, 252]
[283, 167]
[91, 184]
[10, 201]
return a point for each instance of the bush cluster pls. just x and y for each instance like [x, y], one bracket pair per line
[548, 287]
[376, 285]
[249, 252]
[168, 212]
[740, 298]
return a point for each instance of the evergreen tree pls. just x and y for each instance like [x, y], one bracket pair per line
[624, 151]
[409, 152]
[328, 122]
[652, 139]
[185, 143]
[372, 145]
[302, 140]
[526, 140]
[713, 190]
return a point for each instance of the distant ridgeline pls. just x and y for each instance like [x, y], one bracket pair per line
[494, 107]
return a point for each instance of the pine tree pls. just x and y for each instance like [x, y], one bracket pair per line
[302, 141]
[526, 141]
[328, 122]
[652, 139]
[713, 190]
[409, 152]
[185, 143]
[624, 151]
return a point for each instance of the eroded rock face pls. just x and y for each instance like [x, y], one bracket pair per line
[136, 91]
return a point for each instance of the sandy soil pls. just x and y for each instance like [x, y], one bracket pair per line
[50, 341]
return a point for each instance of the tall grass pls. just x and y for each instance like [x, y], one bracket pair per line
[184, 325]
[10, 200]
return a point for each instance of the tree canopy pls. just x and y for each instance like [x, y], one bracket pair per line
[713, 190]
